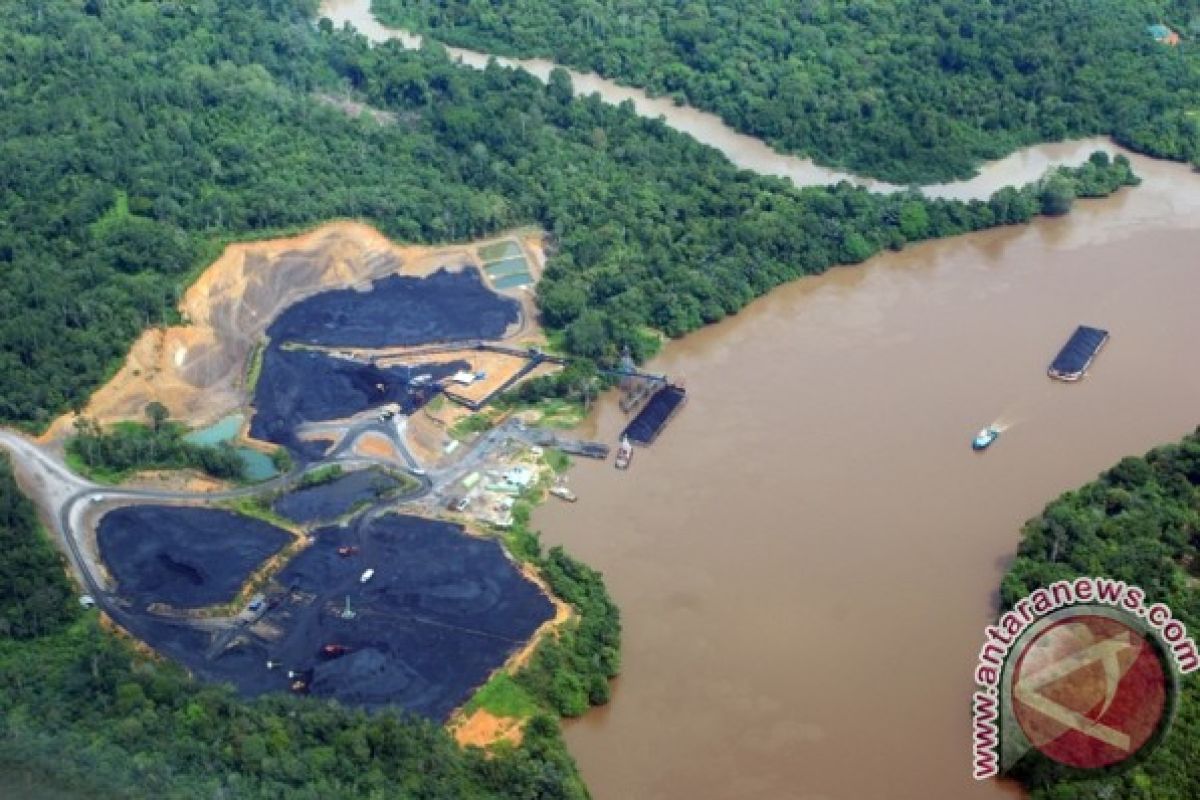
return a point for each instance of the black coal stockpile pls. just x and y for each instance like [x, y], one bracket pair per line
[298, 386]
[1078, 353]
[400, 311]
[184, 557]
[650, 421]
[442, 611]
[331, 500]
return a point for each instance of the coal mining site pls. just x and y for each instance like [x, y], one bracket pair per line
[299, 385]
[329, 501]
[438, 613]
[181, 556]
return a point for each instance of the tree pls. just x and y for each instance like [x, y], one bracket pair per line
[157, 414]
[1057, 195]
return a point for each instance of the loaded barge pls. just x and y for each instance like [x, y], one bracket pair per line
[650, 421]
[1078, 353]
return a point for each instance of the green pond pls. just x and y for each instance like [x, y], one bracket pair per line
[259, 466]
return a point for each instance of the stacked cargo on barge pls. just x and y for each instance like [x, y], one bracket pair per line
[657, 412]
[1077, 354]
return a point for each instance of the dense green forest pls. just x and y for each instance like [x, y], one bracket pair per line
[35, 597]
[909, 91]
[199, 123]
[136, 727]
[1139, 523]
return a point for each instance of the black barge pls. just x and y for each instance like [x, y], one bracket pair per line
[1077, 354]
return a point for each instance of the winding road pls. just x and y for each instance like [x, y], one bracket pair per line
[65, 498]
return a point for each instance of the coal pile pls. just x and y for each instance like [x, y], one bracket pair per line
[298, 386]
[1077, 354]
[183, 557]
[400, 311]
[331, 500]
[650, 421]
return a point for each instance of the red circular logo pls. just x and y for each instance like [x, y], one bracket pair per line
[1089, 691]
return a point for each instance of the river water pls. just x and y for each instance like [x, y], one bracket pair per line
[807, 557]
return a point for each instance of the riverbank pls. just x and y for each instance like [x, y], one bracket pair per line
[746, 152]
[851, 503]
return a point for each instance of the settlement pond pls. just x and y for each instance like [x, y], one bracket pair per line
[259, 466]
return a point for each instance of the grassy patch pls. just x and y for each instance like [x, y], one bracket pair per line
[498, 250]
[113, 216]
[316, 477]
[503, 697]
[472, 424]
[259, 507]
[557, 460]
[254, 369]
[558, 413]
[101, 475]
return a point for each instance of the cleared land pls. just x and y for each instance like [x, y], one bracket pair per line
[198, 370]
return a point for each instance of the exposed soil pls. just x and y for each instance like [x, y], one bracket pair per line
[563, 612]
[484, 729]
[198, 370]
[374, 445]
[353, 108]
[498, 369]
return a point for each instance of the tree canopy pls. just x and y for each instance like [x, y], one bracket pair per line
[1139, 522]
[204, 122]
[909, 91]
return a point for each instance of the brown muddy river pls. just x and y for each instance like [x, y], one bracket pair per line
[806, 558]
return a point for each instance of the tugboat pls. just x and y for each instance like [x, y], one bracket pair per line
[624, 453]
[985, 438]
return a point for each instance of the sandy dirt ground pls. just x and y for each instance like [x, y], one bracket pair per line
[427, 433]
[198, 370]
[353, 108]
[176, 481]
[483, 729]
[498, 368]
[373, 445]
[562, 614]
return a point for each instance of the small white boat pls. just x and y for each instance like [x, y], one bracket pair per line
[624, 454]
[366, 576]
[563, 493]
[985, 437]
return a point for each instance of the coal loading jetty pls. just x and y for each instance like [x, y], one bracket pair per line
[1077, 354]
